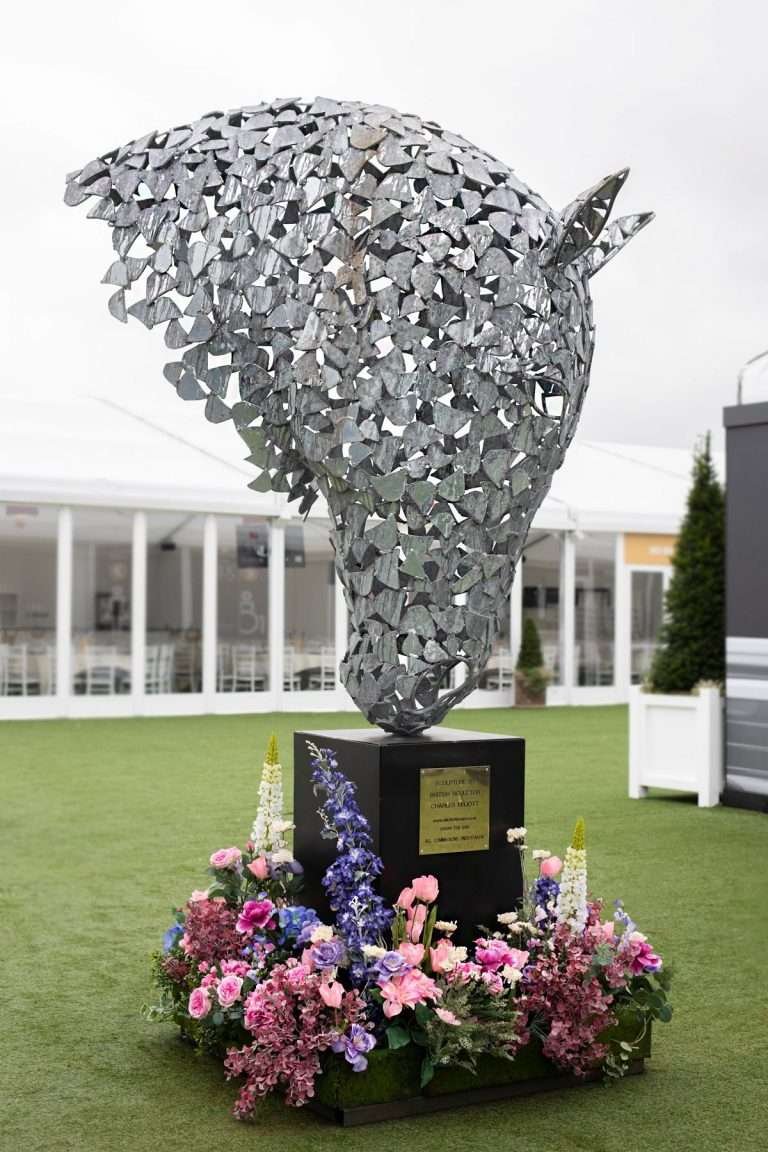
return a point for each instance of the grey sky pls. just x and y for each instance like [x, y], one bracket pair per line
[564, 92]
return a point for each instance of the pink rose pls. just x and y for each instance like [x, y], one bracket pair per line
[198, 894]
[331, 994]
[425, 888]
[255, 914]
[446, 1016]
[199, 1003]
[405, 899]
[229, 989]
[414, 953]
[226, 858]
[551, 866]
[259, 868]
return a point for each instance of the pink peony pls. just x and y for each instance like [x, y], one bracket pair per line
[259, 868]
[331, 994]
[494, 954]
[414, 953]
[226, 858]
[405, 899]
[551, 866]
[228, 991]
[199, 1003]
[255, 914]
[425, 888]
[446, 1016]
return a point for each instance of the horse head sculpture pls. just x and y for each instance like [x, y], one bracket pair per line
[394, 321]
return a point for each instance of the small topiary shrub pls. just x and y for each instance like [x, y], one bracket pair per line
[692, 641]
[531, 674]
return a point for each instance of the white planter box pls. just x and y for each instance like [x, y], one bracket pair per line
[676, 742]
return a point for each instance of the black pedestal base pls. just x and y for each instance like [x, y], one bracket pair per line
[475, 885]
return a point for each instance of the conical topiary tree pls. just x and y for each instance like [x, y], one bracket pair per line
[692, 640]
[529, 656]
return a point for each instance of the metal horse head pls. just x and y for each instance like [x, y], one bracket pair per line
[392, 319]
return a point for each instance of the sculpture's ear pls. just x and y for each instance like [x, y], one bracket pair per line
[583, 221]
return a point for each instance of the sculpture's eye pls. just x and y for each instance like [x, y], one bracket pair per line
[547, 396]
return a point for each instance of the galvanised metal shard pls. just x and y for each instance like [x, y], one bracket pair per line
[392, 319]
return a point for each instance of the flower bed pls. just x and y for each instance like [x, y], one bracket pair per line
[379, 1013]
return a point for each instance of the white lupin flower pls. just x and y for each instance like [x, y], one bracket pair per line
[269, 826]
[571, 906]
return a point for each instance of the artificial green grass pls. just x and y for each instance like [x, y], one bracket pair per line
[104, 825]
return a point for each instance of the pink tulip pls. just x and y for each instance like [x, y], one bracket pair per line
[425, 888]
[416, 919]
[331, 994]
[405, 899]
[413, 953]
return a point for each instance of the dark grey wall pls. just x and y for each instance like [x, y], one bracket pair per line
[747, 520]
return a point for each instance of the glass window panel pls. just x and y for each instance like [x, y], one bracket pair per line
[541, 596]
[174, 602]
[242, 648]
[595, 598]
[647, 615]
[27, 600]
[101, 601]
[310, 655]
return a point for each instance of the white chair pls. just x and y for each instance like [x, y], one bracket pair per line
[46, 662]
[247, 672]
[100, 666]
[291, 679]
[20, 679]
[502, 674]
[324, 680]
[186, 666]
[3, 669]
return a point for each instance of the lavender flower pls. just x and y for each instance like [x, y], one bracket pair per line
[361, 915]
[355, 1045]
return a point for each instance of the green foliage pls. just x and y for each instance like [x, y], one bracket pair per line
[530, 657]
[692, 642]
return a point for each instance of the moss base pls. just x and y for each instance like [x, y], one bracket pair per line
[390, 1087]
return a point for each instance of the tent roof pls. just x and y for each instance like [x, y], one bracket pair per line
[93, 450]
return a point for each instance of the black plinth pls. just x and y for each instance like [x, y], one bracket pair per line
[474, 885]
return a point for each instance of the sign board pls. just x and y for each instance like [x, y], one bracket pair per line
[454, 809]
[646, 549]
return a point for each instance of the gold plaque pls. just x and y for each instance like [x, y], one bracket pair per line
[454, 810]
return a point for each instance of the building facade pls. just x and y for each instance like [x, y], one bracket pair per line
[142, 577]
